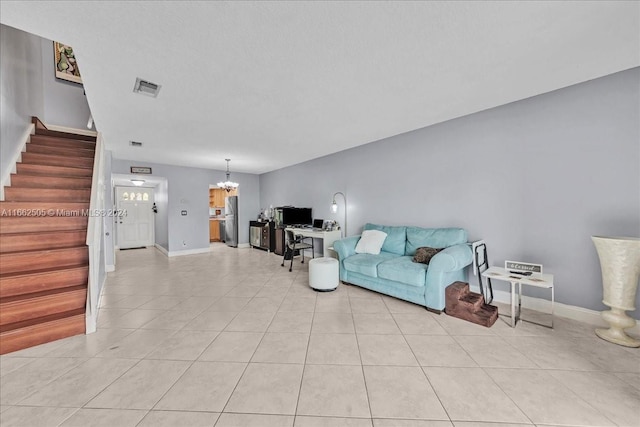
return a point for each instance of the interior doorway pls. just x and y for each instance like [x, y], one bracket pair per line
[219, 212]
[135, 217]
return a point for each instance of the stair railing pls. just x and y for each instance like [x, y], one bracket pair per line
[95, 229]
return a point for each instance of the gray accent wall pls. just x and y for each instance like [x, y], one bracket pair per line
[188, 189]
[534, 179]
[65, 103]
[21, 90]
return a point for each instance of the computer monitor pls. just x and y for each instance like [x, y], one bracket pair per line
[318, 223]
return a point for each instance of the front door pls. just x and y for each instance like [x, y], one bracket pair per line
[135, 222]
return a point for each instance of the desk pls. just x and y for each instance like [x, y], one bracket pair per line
[328, 237]
[538, 280]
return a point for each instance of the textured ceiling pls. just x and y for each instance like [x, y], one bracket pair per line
[270, 84]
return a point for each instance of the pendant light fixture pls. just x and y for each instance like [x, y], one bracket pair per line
[228, 185]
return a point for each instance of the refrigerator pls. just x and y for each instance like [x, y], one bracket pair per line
[231, 221]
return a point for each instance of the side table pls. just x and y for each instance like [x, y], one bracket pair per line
[544, 281]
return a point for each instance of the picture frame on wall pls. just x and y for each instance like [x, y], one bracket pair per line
[140, 169]
[65, 63]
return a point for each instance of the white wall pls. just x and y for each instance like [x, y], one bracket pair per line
[65, 103]
[161, 196]
[535, 179]
[21, 91]
[109, 224]
[188, 189]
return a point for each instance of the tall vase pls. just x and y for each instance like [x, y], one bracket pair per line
[620, 265]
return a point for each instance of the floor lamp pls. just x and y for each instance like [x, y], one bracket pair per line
[334, 209]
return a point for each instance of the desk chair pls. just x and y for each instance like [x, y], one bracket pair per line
[294, 243]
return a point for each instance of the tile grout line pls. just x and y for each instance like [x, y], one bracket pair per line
[364, 377]
[422, 368]
[252, 355]
[304, 367]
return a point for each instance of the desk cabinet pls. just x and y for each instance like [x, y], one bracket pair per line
[279, 242]
[261, 235]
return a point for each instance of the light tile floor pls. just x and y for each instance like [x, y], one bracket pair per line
[230, 338]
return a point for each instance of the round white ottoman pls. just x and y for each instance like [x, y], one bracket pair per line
[324, 274]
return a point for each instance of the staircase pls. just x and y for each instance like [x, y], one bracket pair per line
[44, 260]
[462, 303]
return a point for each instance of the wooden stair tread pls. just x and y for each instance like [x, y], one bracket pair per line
[60, 151]
[50, 181]
[53, 141]
[52, 170]
[44, 319]
[28, 194]
[20, 308]
[42, 271]
[41, 129]
[40, 205]
[47, 251]
[53, 160]
[31, 282]
[47, 259]
[41, 330]
[41, 240]
[24, 297]
[43, 233]
[17, 224]
[65, 135]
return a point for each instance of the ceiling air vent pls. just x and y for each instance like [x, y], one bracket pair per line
[144, 87]
[135, 144]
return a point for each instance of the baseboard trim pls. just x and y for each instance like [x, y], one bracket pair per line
[161, 249]
[91, 321]
[572, 312]
[189, 252]
[5, 180]
[172, 254]
[109, 268]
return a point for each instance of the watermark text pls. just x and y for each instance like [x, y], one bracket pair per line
[63, 212]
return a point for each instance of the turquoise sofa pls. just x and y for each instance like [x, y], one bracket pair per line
[393, 272]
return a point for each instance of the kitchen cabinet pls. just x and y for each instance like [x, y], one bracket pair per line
[217, 196]
[214, 230]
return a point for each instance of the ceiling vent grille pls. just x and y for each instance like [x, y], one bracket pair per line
[135, 144]
[144, 87]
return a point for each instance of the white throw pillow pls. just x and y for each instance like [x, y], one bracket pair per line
[370, 242]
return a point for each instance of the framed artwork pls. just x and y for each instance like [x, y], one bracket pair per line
[65, 63]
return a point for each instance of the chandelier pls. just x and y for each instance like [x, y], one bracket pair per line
[228, 185]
